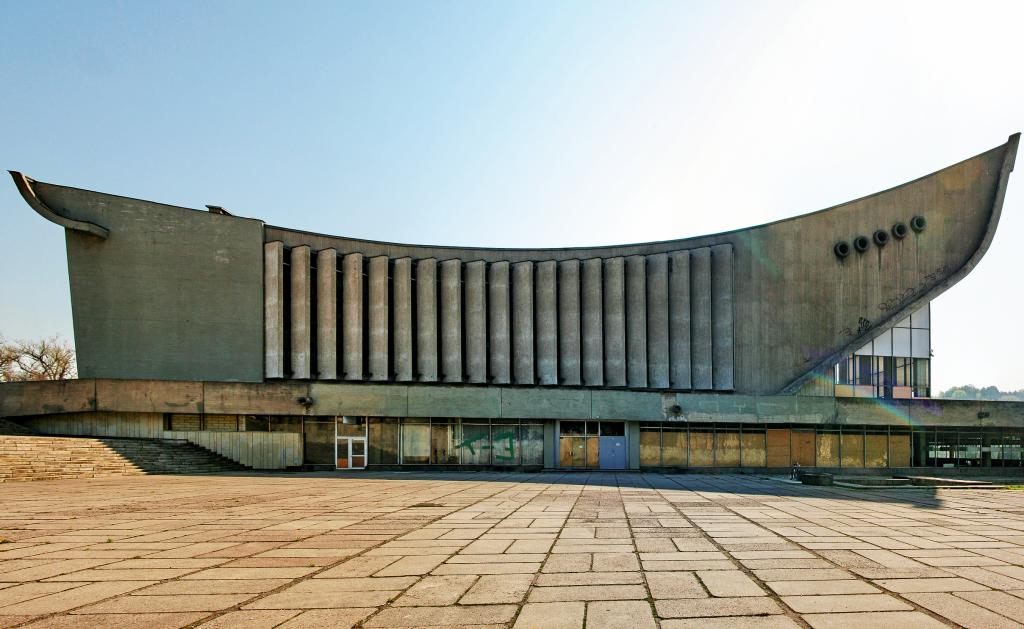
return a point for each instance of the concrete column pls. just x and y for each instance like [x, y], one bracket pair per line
[679, 319]
[476, 321]
[636, 321]
[499, 328]
[657, 321]
[327, 314]
[301, 304]
[426, 320]
[700, 318]
[402, 310]
[546, 320]
[352, 315]
[451, 321]
[569, 322]
[614, 322]
[722, 317]
[273, 309]
[522, 322]
[592, 323]
[379, 368]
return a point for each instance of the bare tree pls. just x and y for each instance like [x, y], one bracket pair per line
[45, 359]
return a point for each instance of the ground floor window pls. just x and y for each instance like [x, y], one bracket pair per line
[454, 441]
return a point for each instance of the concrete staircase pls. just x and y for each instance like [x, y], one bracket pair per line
[8, 427]
[35, 457]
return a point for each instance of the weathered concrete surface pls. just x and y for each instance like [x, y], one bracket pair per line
[379, 319]
[569, 322]
[636, 322]
[352, 316]
[301, 313]
[700, 319]
[600, 550]
[273, 310]
[546, 317]
[327, 314]
[522, 323]
[679, 320]
[722, 317]
[614, 308]
[426, 320]
[592, 323]
[402, 290]
[658, 343]
[476, 322]
[451, 321]
[499, 328]
[186, 287]
[24, 399]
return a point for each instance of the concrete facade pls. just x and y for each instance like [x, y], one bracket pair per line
[185, 312]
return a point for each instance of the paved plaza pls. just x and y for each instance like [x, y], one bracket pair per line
[505, 550]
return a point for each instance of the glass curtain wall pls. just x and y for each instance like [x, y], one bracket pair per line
[894, 364]
[453, 441]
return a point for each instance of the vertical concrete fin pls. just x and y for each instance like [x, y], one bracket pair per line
[378, 314]
[451, 321]
[327, 314]
[569, 322]
[301, 313]
[352, 315]
[273, 309]
[522, 323]
[476, 321]
[679, 319]
[426, 320]
[592, 323]
[499, 324]
[722, 317]
[614, 322]
[657, 321]
[636, 321]
[700, 318]
[546, 317]
[401, 292]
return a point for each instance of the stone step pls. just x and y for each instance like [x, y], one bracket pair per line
[29, 457]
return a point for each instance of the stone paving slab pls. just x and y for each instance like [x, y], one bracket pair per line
[529, 551]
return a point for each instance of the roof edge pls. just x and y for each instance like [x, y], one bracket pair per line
[28, 193]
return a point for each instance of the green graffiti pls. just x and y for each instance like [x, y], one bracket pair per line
[504, 451]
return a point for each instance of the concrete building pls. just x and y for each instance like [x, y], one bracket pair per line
[806, 340]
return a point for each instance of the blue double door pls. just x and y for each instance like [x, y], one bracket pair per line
[612, 446]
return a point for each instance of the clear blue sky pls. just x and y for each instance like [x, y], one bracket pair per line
[511, 124]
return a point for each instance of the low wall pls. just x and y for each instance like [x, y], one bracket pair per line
[27, 399]
[258, 450]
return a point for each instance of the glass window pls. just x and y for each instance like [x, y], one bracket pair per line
[349, 426]
[415, 441]
[257, 422]
[969, 451]
[876, 449]
[572, 428]
[727, 448]
[883, 344]
[943, 452]
[753, 450]
[475, 446]
[920, 344]
[828, 449]
[650, 445]
[532, 445]
[383, 440]
[443, 441]
[921, 318]
[613, 429]
[702, 446]
[674, 449]
[285, 424]
[899, 449]
[505, 444]
[852, 449]
[901, 342]
[318, 439]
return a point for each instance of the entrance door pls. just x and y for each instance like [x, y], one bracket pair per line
[350, 443]
[612, 449]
